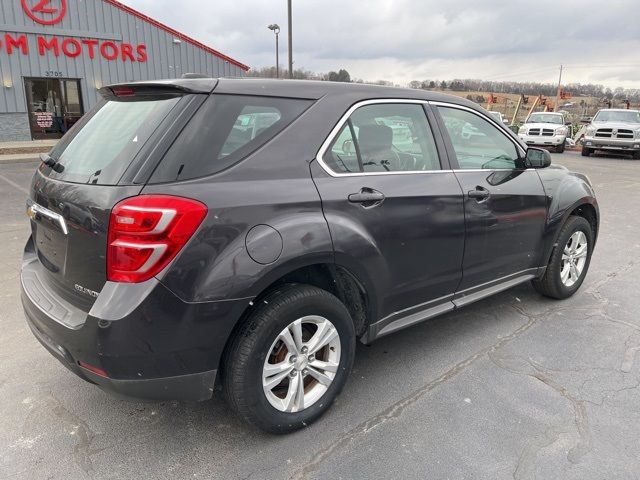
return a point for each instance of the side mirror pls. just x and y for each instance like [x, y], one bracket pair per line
[537, 158]
[568, 124]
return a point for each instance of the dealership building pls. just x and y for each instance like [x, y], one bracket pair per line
[56, 54]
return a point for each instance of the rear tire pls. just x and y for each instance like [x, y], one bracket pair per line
[277, 342]
[586, 152]
[560, 280]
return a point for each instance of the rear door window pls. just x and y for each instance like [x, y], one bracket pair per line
[226, 129]
[393, 137]
[107, 141]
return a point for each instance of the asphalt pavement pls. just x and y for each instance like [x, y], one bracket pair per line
[514, 387]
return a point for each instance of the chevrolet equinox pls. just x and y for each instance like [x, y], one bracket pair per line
[240, 233]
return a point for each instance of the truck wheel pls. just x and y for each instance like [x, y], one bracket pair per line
[290, 358]
[560, 148]
[586, 152]
[636, 155]
[569, 261]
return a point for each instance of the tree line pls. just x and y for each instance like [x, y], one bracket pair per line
[529, 88]
[466, 85]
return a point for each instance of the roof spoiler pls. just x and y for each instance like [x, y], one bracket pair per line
[159, 89]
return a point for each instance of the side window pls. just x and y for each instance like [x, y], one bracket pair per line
[384, 138]
[224, 131]
[477, 143]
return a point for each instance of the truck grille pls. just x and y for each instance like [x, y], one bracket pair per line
[620, 133]
[545, 132]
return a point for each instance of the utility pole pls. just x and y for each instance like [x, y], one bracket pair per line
[290, 40]
[558, 92]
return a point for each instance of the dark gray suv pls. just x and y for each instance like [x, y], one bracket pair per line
[245, 233]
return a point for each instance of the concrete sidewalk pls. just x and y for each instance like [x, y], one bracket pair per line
[34, 146]
[20, 152]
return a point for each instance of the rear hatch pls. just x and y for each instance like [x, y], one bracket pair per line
[105, 158]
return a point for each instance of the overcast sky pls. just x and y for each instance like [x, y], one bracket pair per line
[404, 40]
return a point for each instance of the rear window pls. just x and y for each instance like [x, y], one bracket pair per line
[226, 129]
[107, 141]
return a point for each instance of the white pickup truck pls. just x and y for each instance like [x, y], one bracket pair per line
[613, 131]
[545, 129]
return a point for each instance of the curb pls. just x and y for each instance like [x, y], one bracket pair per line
[20, 158]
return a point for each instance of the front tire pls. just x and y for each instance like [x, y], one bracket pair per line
[569, 261]
[586, 152]
[560, 148]
[290, 359]
[636, 155]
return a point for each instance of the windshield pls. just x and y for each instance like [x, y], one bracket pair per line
[626, 116]
[108, 141]
[545, 118]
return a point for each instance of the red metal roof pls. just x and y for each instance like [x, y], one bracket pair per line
[175, 33]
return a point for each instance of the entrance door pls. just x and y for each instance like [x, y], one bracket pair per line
[54, 106]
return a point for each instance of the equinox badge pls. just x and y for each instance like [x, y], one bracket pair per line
[82, 289]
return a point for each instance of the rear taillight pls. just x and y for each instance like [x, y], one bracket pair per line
[147, 232]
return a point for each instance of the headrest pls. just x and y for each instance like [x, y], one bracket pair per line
[375, 138]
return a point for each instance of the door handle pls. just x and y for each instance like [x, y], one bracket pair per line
[480, 193]
[368, 197]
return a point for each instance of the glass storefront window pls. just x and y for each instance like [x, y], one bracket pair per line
[54, 106]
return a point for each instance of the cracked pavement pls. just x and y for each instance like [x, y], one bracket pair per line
[514, 387]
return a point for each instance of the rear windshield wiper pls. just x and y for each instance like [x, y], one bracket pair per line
[49, 161]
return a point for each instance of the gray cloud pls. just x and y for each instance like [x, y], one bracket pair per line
[401, 40]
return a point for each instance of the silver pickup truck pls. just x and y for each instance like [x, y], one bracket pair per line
[613, 130]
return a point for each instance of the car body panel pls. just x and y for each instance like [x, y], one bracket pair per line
[565, 192]
[503, 232]
[397, 240]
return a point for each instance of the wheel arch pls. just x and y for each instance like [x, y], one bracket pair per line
[346, 282]
[586, 208]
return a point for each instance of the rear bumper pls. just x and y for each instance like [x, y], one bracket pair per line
[196, 386]
[163, 349]
[630, 145]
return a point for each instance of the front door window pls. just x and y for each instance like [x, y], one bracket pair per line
[54, 106]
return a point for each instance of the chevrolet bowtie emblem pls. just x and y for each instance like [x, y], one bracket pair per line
[31, 212]
[34, 210]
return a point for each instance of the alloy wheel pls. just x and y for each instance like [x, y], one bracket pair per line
[301, 364]
[574, 258]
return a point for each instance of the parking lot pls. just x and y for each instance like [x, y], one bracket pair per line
[516, 386]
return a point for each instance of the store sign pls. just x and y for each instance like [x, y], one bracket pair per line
[45, 12]
[50, 12]
[74, 47]
[44, 119]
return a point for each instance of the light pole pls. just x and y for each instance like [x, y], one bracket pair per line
[290, 40]
[276, 29]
